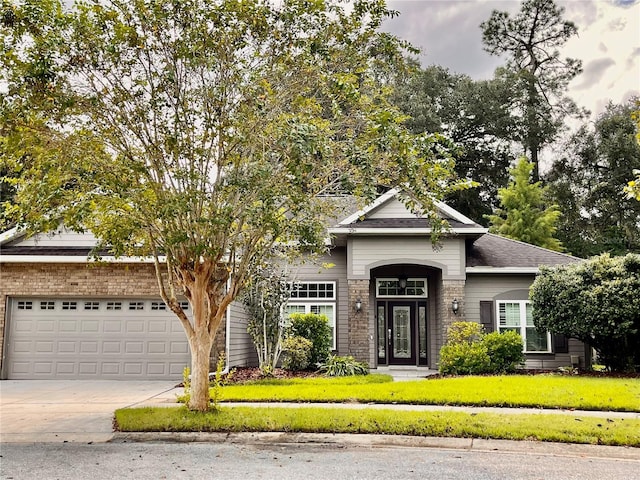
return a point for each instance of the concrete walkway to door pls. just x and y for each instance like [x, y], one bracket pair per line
[71, 410]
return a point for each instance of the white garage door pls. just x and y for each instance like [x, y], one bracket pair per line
[94, 338]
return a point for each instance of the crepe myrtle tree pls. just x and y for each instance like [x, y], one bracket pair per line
[204, 133]
[595, 301]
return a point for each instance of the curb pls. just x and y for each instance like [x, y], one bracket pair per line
[345, 440]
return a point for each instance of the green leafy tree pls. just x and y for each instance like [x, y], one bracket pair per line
[595, 301]
[632, 189]
[203, 133]
[476, 116]
[525, 214]
[531, 42]
[588, 180]
[265, 298]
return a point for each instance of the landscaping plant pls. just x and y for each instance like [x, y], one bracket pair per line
[296, 353]
[596, 301]
[504, 350]
[469, 351]
[336, 366]
[264, 300]
[317, 330]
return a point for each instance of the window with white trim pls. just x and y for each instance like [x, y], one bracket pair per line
[315, 297]
[516, 315]
[396, 287]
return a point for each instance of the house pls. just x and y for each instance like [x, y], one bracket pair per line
[389, 295]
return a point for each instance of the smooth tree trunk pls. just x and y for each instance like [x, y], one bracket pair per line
[205, 286]
[200, 357]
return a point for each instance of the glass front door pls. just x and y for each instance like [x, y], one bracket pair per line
[401, 336]
[402, 332]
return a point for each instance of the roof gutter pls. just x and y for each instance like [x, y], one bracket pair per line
[502, 270]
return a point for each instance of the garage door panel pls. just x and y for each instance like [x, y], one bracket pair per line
[90, 326]
[96, 338]
[45, 326]
[134, 347]
[179, 347]
[66, 346]
[44, 347]
[66, 368]
[134, 326]
[88, 347]
[45, 368]
[112, 326]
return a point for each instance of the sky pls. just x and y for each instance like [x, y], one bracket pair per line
[608, 42]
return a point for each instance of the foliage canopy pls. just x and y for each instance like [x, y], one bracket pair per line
[595, 301]
[525, 214]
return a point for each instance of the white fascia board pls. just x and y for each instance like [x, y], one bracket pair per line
[378, 201]
[404, 231]
[500, 270]
[74, 259]
[11, 234]
[453, 213]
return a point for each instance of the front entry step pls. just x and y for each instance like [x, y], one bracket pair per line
[404, 372]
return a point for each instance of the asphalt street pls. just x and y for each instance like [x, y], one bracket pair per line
[170, 460]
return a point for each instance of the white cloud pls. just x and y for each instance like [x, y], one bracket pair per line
[608, 42]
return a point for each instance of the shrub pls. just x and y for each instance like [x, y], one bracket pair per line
[504, 350]
[316, 329]
[464, 358]
[469, 351]
[297, 351]
[460, 332]
[595, 301]
[336, 366]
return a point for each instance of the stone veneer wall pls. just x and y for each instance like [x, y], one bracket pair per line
[82, 280]
[449, 290]
[359, 334]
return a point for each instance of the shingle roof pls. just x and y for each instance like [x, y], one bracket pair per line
[404, 223]
[494, 251]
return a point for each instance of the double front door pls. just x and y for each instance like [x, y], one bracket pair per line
[402, 332]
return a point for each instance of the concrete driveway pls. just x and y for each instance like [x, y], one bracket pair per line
[72, 410]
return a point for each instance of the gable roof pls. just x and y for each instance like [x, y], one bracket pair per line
[495, 254]
[367, 220]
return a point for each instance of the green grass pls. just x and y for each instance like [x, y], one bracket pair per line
[542, 427]
[539, 391]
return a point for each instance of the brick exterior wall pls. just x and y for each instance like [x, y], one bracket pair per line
[82, 280]
[359, 329]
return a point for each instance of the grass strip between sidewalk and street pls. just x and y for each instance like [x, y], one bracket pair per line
[542, 427]
[535, 391]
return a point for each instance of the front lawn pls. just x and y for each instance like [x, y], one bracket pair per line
[538, 391]
[542, 427]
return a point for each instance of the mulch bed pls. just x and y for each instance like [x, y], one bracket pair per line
[247, 374]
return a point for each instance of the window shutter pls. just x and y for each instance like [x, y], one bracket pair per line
[560, 343]
[486, 315]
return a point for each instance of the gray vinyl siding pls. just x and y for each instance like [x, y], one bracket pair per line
[488, 287]
[60, 238]
[393, 208]
[369, 252]
[313, 271]
[242, 352]
[493, 287]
